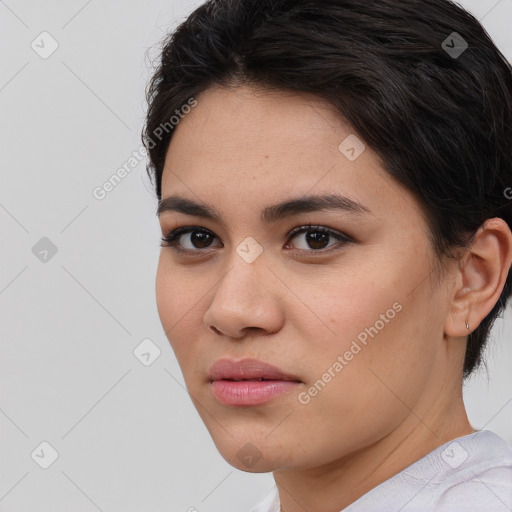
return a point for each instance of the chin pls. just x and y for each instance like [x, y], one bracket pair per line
[247, 453]
[251, 460]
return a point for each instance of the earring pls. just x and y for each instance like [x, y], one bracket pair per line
[467, 325]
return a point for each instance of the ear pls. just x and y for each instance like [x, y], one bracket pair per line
[480, 278]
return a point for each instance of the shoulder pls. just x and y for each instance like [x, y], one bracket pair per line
[483, 481]
[490, 490]
[468, 474]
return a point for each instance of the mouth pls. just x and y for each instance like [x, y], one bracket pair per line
[248, 370]
[250, 392]
[249, 382]
[260, 379]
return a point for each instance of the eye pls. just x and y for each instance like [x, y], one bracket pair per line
[316, 239]
[200, 239]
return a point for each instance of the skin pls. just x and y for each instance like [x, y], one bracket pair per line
[300, 306]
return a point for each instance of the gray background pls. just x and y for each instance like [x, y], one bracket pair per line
[127, 435]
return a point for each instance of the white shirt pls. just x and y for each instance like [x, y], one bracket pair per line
[469, 474]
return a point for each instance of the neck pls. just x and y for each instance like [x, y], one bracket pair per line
[339, 483]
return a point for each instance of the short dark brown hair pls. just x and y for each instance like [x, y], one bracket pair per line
[438, 114]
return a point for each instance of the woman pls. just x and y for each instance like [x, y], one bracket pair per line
[333, 180]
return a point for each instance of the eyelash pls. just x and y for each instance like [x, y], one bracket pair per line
[171, 239]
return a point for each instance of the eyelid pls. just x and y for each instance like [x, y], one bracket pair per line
[170, 240]
[172, 237]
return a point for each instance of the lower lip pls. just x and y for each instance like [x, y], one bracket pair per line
[247, 392]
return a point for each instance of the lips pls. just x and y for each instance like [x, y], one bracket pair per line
[248, 370]
[249, 382]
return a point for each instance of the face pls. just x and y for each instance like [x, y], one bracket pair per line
[343, 307]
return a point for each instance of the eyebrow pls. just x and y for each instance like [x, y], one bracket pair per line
[270, 214]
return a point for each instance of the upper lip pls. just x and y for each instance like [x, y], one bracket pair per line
[245, 369]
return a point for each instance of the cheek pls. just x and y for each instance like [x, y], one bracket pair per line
[381, 352]
[370, 338]
[355, 310]
[179, 298]
[374, 304]
[173, 300]
[164, 293]
[174, 290]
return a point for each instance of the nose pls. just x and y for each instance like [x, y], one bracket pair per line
[248, 299]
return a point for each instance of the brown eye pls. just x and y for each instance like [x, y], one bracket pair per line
[199, 239]
[191, 239]
[317, 238]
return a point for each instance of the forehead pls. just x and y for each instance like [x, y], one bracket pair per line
[231, 120]
[253, 146]
[252, 133]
